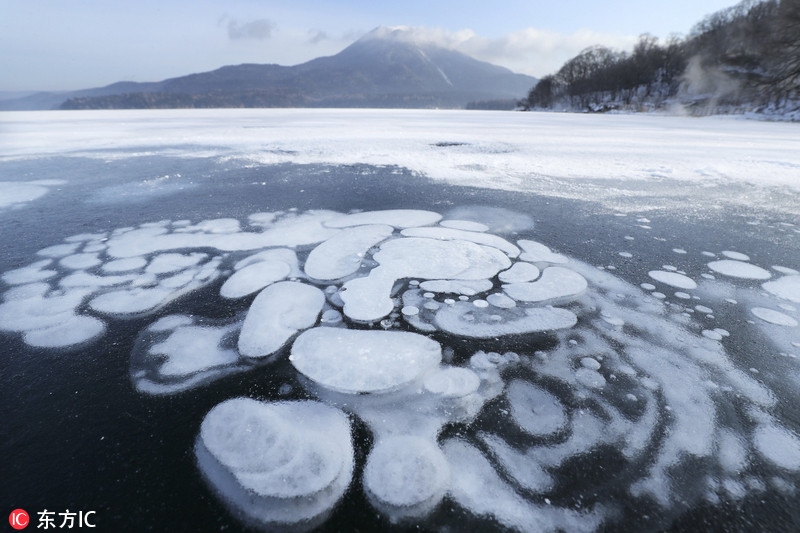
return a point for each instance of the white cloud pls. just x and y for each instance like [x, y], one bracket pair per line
[528, 51]
[256, 29]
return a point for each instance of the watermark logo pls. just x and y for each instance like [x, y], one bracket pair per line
[19, 519]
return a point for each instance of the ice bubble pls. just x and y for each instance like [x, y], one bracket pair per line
[74, 330]
[331, 316]
[466, 225]
[519, 273]
[711, 334]
[501, 300]
[522, 467]
[464, 319]
[497, 219]
[704, 309]
[276, 315]
[191, 349]
[648, 286]
[465, 287]
[217, 225]
[59, 250]
[398, 218]
[590, 363]
[786, 287]
[39, 312]
[124, 265]
[410, 310]
[354, 361]
[476, 486]
[590, 378]
[739, 269]
[626, 255]
[79, 261]
[279, 464]
[406, 476]
[482, 304]
[778, 445]
[30, 274]
[452, 382]
[170, 322]
[368, 299]
[774, 317]
[738, 256]
[785, 270]
[83, 279]
[341, 255]
[253, 278]
[683, 295]
[273, 255]
[679, 250]
[534, 409]
[556, 283]
[535, 252]
[169, 263]
[486, 239]
[673, 279]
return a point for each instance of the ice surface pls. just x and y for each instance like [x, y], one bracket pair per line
[673, 279]
[342, 254]
[15, 194]
[739, 269]
[280, 464]
[277, 314]
[614, 369]
[354, 361]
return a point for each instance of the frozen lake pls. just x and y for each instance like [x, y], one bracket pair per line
[372, 320]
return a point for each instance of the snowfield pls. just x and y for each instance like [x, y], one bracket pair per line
[501, 150]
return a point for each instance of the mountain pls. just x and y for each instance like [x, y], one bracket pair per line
[388, 67]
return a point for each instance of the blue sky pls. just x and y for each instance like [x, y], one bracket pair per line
[60, 44]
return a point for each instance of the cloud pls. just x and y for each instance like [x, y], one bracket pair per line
[529, 51]
[259, 29]
[317, 36]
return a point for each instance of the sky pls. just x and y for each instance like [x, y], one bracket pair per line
[54, 45]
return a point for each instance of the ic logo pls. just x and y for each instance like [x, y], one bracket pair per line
[19, 519]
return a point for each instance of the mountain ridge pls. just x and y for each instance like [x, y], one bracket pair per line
[387, 67]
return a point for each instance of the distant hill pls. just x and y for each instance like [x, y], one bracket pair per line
[388, 67]
[743, 59]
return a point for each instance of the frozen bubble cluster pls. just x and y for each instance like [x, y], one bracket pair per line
[487, 367]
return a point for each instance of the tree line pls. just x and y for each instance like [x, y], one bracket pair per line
[746, 55]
